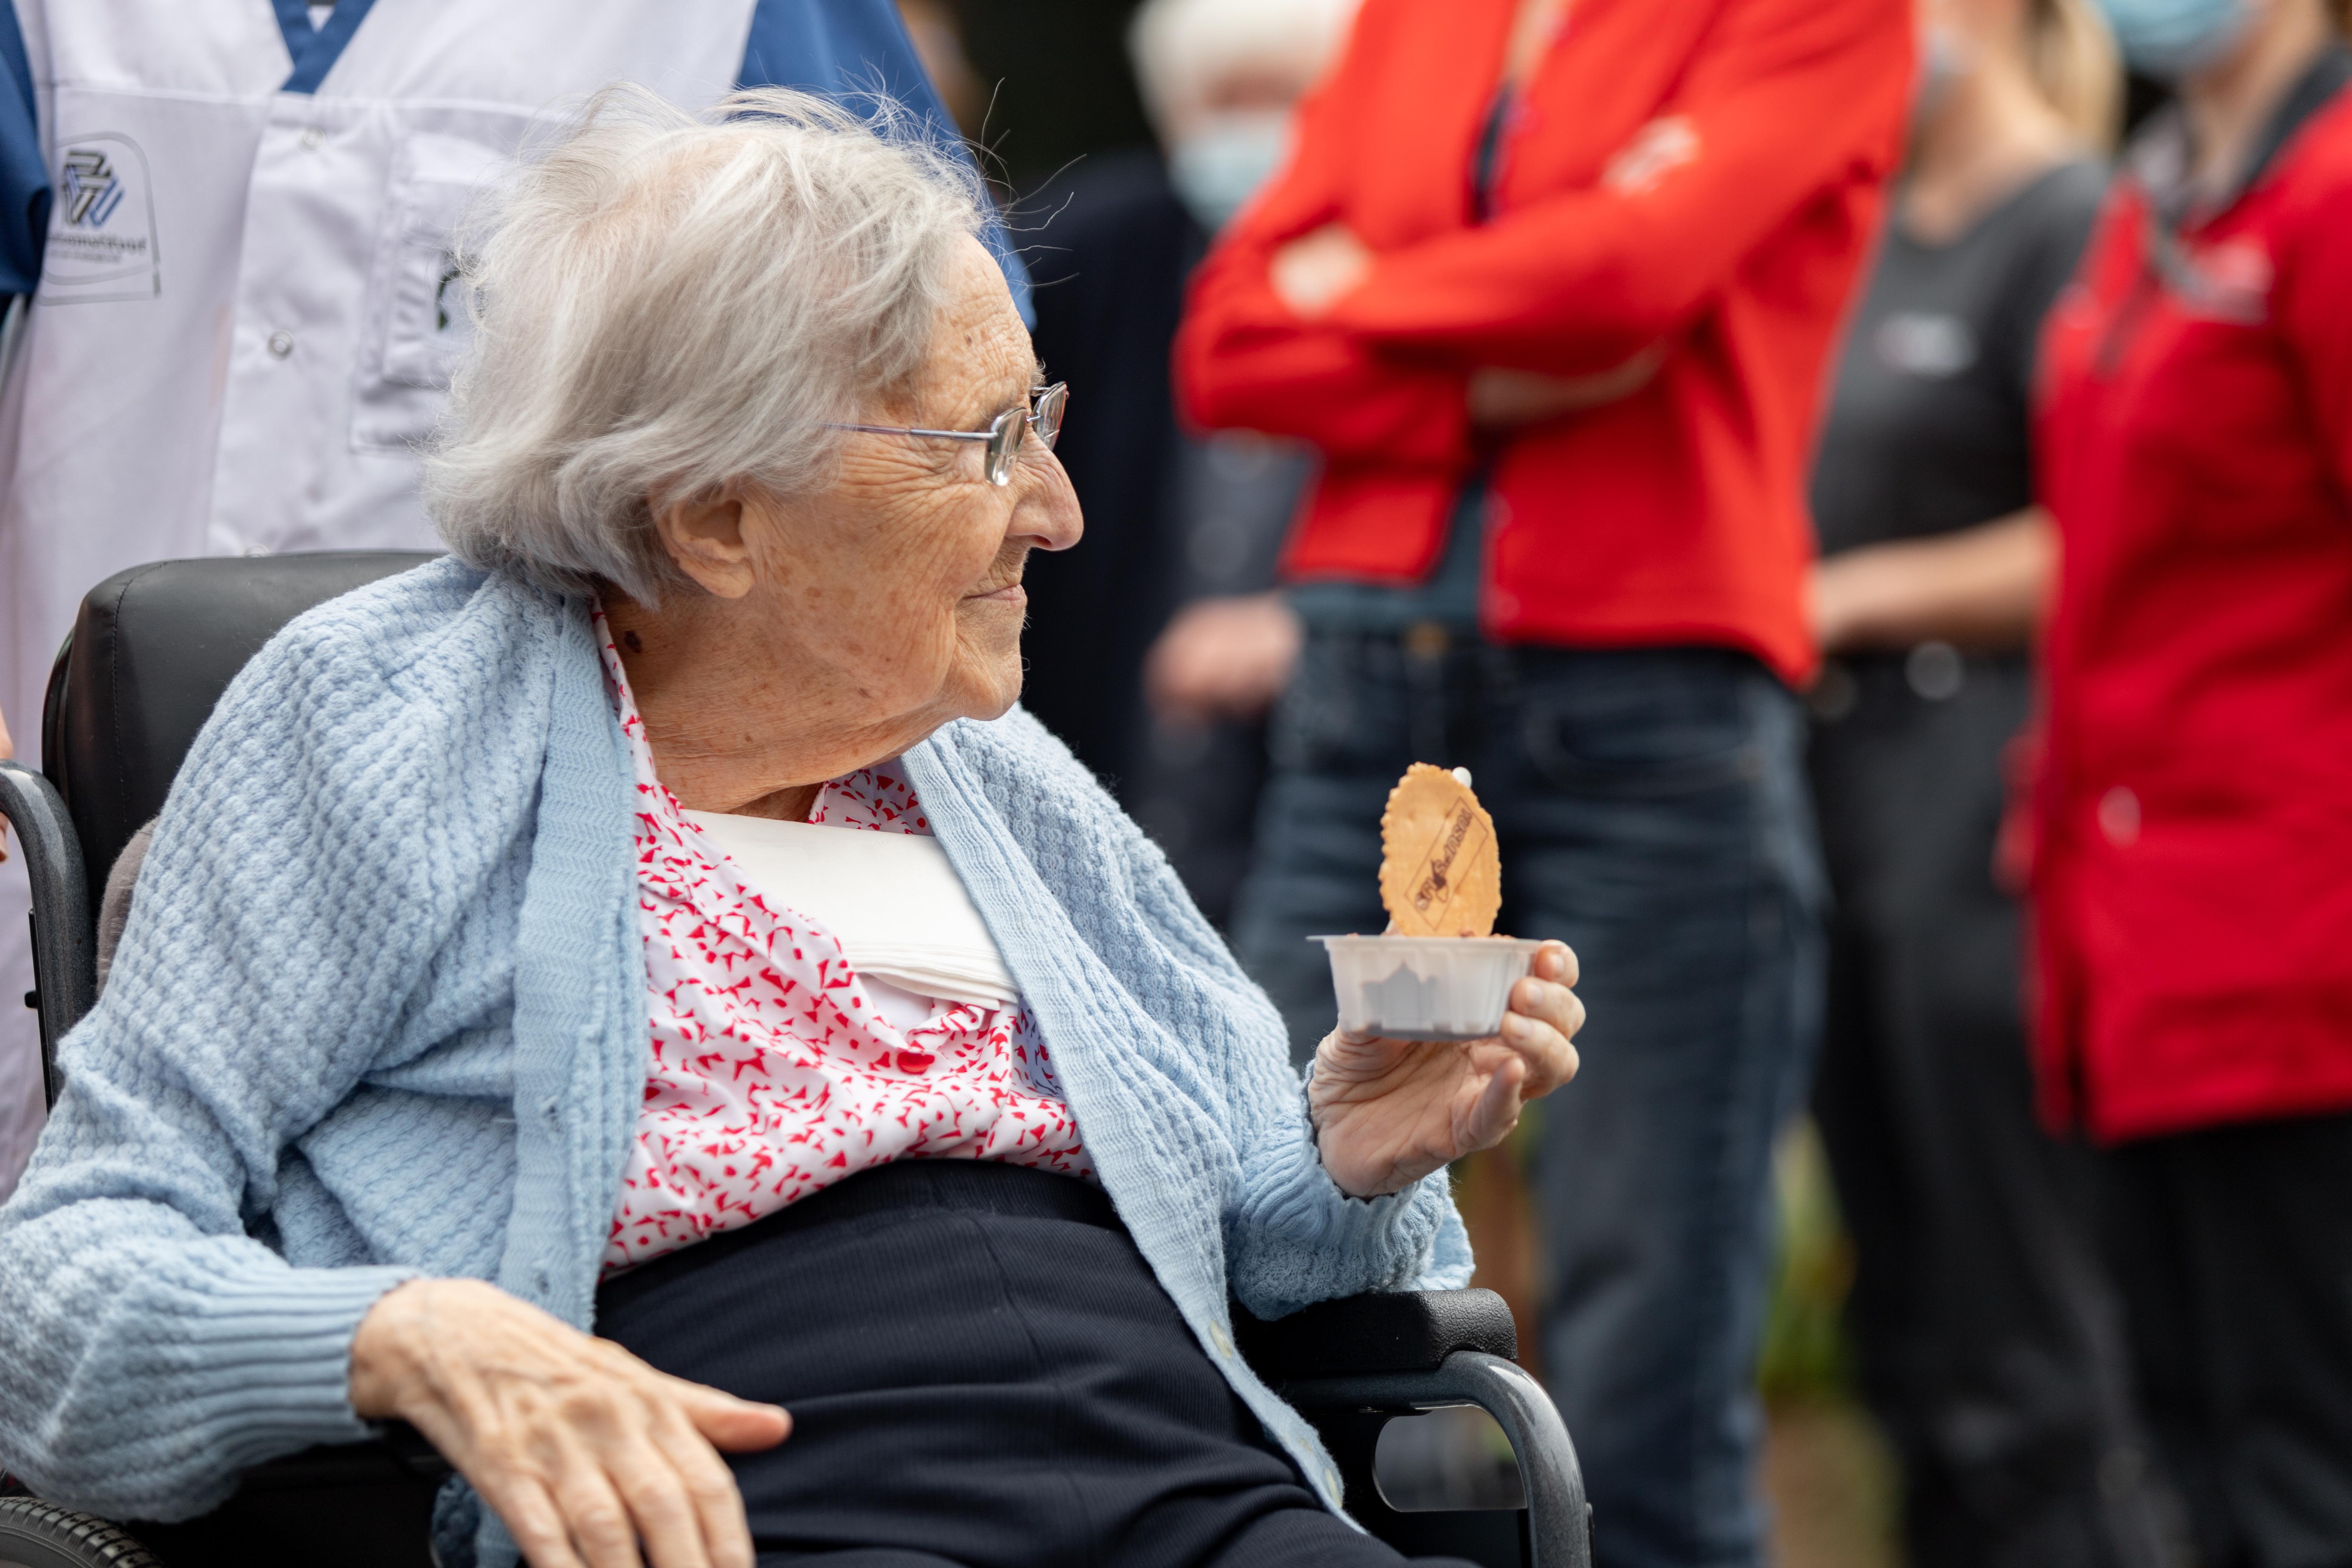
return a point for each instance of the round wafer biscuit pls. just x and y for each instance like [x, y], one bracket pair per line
[1441, 874]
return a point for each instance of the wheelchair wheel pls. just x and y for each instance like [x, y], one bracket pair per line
[35, 1534]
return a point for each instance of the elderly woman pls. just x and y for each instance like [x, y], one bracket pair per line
[509, 965]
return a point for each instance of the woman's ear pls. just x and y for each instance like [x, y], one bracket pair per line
[705, 536]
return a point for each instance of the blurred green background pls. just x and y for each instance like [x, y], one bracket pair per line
[1828, 1475]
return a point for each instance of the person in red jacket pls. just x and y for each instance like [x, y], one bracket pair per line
[2193, 851]
[1552, 287]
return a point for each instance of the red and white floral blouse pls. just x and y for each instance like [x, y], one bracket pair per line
[775, 1072]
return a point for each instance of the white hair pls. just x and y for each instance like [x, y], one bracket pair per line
[665, 304]
[1181, 47]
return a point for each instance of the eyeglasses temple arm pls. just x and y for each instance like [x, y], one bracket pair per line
[909, 430]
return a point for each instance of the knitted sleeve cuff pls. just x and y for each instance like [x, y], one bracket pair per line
[208, 1374]
[1297, 1239]
[276, 1353]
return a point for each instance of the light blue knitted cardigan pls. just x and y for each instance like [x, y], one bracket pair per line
[380, 1011]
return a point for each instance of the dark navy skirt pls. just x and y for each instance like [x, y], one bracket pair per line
[981, 1371]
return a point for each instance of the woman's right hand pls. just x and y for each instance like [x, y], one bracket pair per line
[1225, 657]
[583, 1450]
[1505, 400]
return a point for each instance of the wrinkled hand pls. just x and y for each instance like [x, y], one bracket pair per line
[1507, 399]
[1388, 1112]
[583, 1450]
[1222, 658]
[1312, 272]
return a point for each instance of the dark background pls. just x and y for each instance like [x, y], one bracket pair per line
[1060, 79]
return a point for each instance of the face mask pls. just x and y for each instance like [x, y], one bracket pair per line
[2171, 38]
[1220, 166]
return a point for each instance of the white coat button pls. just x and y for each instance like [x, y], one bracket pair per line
[1222, 1339]
[281, 344]
[314, 139]
[2120, 817]
[1331, 1479]
[256, 550]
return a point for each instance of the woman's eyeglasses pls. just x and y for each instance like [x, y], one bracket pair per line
[1004, 433]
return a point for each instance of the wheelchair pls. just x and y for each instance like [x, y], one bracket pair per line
[152, 650]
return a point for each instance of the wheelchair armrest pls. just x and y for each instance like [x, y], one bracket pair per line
[1350, 1365]
[65, 939]
[1403, 1330]
[1350, 1410]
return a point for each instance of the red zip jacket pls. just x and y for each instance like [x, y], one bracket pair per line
[1731, 232]
[2193, 862]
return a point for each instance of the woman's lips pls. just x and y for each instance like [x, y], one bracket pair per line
[1011, 594]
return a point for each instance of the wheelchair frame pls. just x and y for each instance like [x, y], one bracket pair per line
[1350, 1365]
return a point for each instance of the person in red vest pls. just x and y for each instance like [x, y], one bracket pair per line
[2193, 843]
[1552, 287]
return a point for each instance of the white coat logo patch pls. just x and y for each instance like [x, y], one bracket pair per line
[101, 240]
[90, 190]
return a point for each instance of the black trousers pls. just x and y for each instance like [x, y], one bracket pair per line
[1987, 1337]
[2234, 1249]
[982, 1372]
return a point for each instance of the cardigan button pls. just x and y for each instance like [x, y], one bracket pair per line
[1222, 1339]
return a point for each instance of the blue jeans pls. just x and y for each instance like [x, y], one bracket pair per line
[1651, 810]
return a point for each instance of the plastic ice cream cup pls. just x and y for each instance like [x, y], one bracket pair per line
[1425, 987]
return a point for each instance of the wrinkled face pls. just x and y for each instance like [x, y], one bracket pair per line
[900, 585]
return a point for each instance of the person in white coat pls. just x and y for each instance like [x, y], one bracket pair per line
[227, 232]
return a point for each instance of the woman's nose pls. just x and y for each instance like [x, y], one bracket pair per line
[1047, 516]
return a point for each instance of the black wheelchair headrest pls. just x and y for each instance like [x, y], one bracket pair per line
[151, 651]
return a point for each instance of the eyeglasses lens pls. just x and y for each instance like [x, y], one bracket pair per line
[1048, 416]
[1005, 436]
[1005, 444]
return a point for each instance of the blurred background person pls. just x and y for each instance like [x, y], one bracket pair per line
[936, 34]
[1985, 1340]
[2193, 872]
[226, 242]
[1552, 290]
[1188, 524]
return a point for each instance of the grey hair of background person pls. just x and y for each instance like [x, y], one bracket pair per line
[1182, 49]
[667, 303]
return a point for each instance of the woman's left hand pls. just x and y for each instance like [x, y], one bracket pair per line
[1388, 1112]
[1311, 272]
